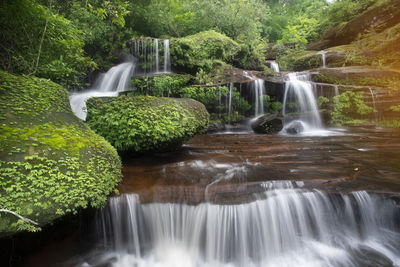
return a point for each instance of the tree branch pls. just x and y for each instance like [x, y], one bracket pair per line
[29, 221]
[41, 40]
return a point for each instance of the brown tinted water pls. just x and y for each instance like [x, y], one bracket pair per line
[234, 168]
[230, 167]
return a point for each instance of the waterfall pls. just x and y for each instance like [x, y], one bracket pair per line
[230, 103]
[299, 99]
[147, 53]
[259, 97]
[167, 56]
[374, 104]
[288, 227]
[157, 60]
[323, 58]
[116, 80]
[336, 90]
[274, 66]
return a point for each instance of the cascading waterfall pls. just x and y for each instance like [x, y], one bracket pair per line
[147, 52]
[299, 99]
[274, 66]
[288, 227]
[167, 56]
[323, 58]
[374, 104]
[109, 84]
[230, 102]
[336, 90]
[259, 90]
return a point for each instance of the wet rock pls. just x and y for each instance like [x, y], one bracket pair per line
[294, 127]
[270, 123]
[216, 126]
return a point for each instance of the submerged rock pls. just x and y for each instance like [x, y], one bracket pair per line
[294, 127]
[50, 162]
[270, 123]
[138, 124]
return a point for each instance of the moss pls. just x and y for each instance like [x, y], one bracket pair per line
[199, 51]
[388, 82]
[50, 162]
[139, 124]
[299, 60]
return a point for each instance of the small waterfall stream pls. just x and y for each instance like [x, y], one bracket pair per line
[374, 104]
[300, 101]
[287, 227]
[109, 84]
[167, 56]
[323, 58]
[259, 90]
[274, 66]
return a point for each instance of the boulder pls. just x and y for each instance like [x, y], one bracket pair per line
[266, 124]
[294, 127]
[50, 162]
[138, 124]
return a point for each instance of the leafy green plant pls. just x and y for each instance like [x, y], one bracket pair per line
[349, 106]
[140, 124]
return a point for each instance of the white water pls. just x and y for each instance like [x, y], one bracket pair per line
[299, 93]
[336, 90]
[274, 66]
[289, 227]
[374, 105]
[230, 102]
[323, 58]
[109, 84]
[258, 88]
[147, 53]
[167, 56]
[259, 95]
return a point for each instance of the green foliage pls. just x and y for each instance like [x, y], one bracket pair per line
[160, 85]
[198, 51]
[242, 20]
[62, 57]
[395, 108]
[272, 106]
[349, 106]
[322, 100]
[145, 123]
[342, 11]
[50, 163]
[215, 99]
[299, 60]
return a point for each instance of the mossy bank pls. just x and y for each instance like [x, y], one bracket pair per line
[138, 124]
[50, 162]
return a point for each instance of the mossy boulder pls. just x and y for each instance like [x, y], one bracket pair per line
[138, 124]
[268, 124]
[205, 50]
[50, 162]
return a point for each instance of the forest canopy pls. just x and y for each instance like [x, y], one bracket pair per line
[66, 40]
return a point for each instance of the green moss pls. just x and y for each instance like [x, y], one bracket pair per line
[388, 82]
[144, 123]
[199, 51]
[299, 60]
[395, 108]
[50, 162]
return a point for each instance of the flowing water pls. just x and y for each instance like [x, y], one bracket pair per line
[259, 90]
[167, 57]
[300, 106]
[116, 80]
[290, 227]
[274, 66]
[323, 58]
[251, 200]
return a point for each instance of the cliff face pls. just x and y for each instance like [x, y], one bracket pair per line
[376, 19]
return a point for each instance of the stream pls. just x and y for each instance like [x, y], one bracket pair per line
[250, 200]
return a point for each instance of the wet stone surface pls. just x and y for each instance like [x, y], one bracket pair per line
[233, 168]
